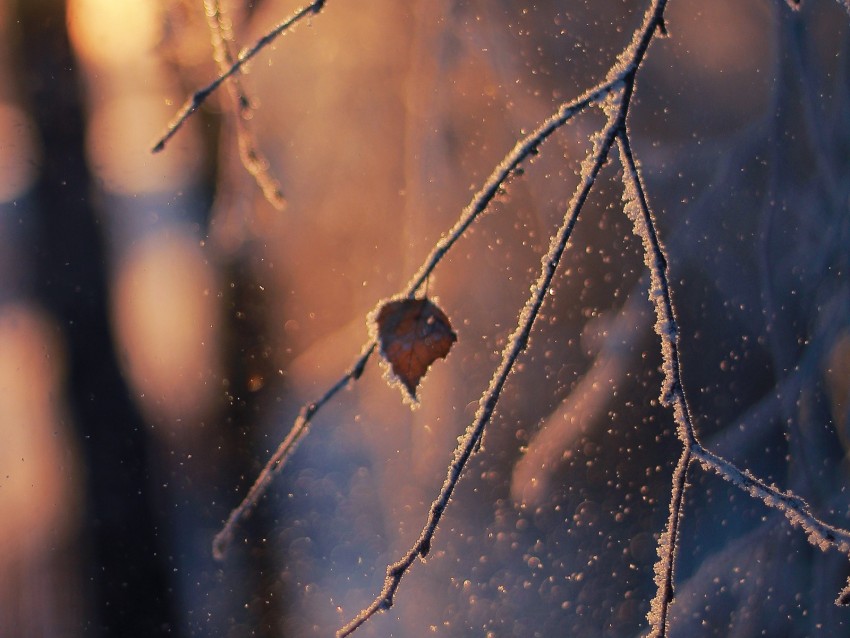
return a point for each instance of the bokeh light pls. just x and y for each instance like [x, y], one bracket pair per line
[112, 32]
[118, 142]
[165, 314]
[39, 482]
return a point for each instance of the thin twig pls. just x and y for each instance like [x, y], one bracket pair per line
[523, 149]
[255, 163]
[666, 327]
[614, 95]
[199, 97]
[637, 208]
[621, 78]
[819, 533]
[277, 461]
[221, 34]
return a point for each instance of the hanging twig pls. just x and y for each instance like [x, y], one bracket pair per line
[250, 155]
[616, 105]
[637, 209]
[301, 426]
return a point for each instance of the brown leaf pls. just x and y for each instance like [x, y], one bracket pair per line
[412, 334]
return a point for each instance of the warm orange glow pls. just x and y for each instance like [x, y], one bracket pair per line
[715, 37]
[118, 142]
[113, 32]
[39, 491]
[165, 315]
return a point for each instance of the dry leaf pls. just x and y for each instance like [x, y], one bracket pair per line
[412, 334]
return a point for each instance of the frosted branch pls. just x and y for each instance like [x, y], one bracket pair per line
[798, 512]
[200, 96]
[613, 96]
[278, 460]
[668, 544]
[526, 147]
[616, 92]
[637, 209]
[523, 149]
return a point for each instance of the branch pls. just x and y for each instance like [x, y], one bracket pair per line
[637, 209]
[523, 149]
[614, 96]
[621, 80]
[275, 464]
[819, 533]
[199, 97]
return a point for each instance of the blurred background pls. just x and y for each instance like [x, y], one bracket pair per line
[161, 323]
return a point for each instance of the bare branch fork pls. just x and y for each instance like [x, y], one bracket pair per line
[613, 96]
[616, 104]
[487, 404]
[200, 96]
[819, 533]
[523, 149]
